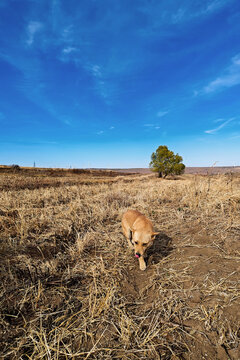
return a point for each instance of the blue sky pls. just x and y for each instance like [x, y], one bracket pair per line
[90, 83]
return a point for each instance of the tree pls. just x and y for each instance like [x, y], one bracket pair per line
[165, 162]
[15, 167]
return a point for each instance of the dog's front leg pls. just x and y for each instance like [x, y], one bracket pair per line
[142, 263]
[130, 241]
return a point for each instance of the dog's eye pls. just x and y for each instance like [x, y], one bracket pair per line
[145, 244]
[136, 242]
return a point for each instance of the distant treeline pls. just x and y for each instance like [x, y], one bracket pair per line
[33, 171]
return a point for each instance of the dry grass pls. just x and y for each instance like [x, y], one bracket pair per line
[70, 288]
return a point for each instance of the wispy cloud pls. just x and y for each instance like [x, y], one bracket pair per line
[71, 37]
[152, 126]
[101, 132]
[32, 29]
[162, 113]
[230, 77]
[219, 120]
[69, 54]
[179, 15]
[69, 49]
[215, 5]
[33, 84]
[179, 12]
[214, 131]
[104, 87]
[209, 7]
[96, 71]
[202, 9]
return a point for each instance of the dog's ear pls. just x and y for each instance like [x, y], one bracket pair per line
[154, 234]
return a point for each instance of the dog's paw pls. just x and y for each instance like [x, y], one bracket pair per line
[143, 266]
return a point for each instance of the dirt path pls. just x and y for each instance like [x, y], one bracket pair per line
[203, 279]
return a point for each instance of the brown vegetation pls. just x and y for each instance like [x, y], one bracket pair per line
[70, 288]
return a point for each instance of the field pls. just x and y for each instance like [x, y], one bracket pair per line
[71, 289]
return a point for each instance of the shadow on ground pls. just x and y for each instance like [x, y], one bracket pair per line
[161, 248]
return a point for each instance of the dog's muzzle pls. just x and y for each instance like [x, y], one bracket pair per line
[137, 255]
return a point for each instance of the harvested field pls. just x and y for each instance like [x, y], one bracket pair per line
[211, 170]
[71, 289]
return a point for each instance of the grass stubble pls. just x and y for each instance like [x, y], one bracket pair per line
[71, 289]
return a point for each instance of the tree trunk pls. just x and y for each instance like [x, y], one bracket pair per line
[160, 174]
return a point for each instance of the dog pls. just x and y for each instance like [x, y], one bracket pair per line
[138, 230]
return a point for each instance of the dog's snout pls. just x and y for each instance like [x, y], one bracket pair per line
[137, 254]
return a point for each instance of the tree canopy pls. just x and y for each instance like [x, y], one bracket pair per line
[165, 162]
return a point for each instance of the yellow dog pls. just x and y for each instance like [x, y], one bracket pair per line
[138, 230]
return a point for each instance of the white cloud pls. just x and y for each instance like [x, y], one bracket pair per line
[178, 12]
[103, 86]
[69, 49]
[204, 8]
[215, 5]
[214, 131]
[66, 120]
[223, 82]
[32, 28]
[152, 126]
[96, 71]
[100, 132]
[179, 15]
[162, 113]
[229, 78]
[219, 120]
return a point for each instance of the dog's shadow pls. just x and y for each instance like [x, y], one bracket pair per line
[161, 248]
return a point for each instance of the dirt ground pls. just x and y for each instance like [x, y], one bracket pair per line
[71, 288]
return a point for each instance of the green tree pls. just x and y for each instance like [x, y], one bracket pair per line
[165, 162]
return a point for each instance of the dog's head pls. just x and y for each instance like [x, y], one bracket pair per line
[142, 241]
